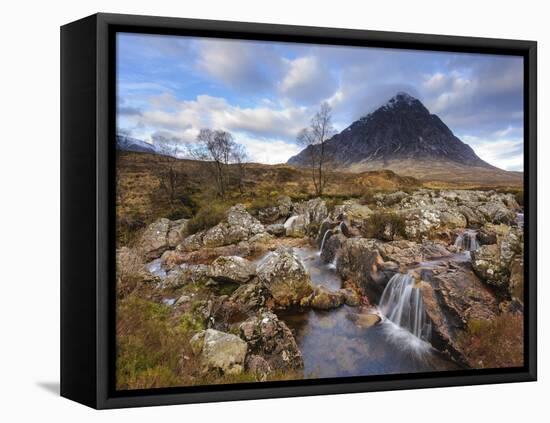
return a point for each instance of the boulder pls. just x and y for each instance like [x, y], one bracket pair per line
[219, 351]
[285, 276]
[496, 211]
[364, 320]
[451, 297]
[493, 262]
[406, 253]
[315, 210]
[351, 297]
[177, 232]
[154, 240]
[272, 340]
[232, 269]
[191, 243]
[324, 299]
[250, 298]
[352, 212]
[296, 226]
[360, 261]
[185, 274]
[237, 216]
[277, 229]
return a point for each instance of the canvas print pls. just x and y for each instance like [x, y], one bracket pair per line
[290, 211]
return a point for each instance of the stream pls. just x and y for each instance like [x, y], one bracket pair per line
[333, 345]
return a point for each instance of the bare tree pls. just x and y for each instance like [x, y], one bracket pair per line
[170, 150]
[314, 138]
[239, 156]
[216, 148]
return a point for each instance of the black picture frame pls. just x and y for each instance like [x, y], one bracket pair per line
[87, 209]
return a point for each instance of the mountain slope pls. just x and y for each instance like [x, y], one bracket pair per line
[405, 137]
[126, 143]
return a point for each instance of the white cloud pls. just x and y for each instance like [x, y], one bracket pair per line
[308, 80]
[503, 153]
[271, 151]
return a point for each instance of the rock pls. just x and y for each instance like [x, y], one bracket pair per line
[177, 232]
[406, 253]
[496, 212]
[232, 269]
[250, 298]
[452, 219]
[277, 229]
[284, 204]
[473, 219]
[351, 297]
[296, 226]
[268, 215]
[393, 198]
[272, 340]
[364, 320]
[197, 341]
[315, 210]
[493, 262]
[191, 243]
[237, 216]
[221, 352]
[352, 212]
[154, 240]
[258, 366]
[280, 210]
[185, 274]
[331, 247]
[360, 261]
[285, 276]
[451, 297]
[325, 299]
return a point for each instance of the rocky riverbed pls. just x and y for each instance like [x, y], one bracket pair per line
[388, 285]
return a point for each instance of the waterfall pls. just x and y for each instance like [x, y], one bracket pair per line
[288, 223]
[334, 262]
[323, 242]
[467, 240]
[402, 303]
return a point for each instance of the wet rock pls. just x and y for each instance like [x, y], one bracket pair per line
[232, 269]
[364, 320]
[331, 247]
[219, 351]
[285, 276]
[277, 229]
[351, 297]
[272, 340]
[324, 299]
[360, 261]
[451, 297]
[296, 226]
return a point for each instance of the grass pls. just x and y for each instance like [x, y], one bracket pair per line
[494, 343]
[207, 217]
[385, 226]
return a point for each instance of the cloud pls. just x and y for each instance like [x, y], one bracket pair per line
[272, 151]
[504, 153]
[241, 65]
[308, 81]
[215, 112]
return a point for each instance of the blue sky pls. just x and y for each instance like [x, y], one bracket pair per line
[265, 92]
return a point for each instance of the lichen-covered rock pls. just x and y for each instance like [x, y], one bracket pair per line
[272, 340]
[232, 269]
[185, 274]
[351, 297]
[219, 351]
[285, 276]
[406, 253]
[497, 212]
[177, 232]
[296, 226]
[324, 299]
[352, 212]
[191, 243]
[315, 210]
[493, 262]
[277, 229]
[238, 216]
[154, 240]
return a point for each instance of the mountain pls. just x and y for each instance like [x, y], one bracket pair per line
[403, 136]
[126, 143]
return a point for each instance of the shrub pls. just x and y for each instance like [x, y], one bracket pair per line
[385, 226]
[206, 218]
[493, 343]
[260, 203]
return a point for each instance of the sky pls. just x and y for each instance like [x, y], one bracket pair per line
[265, 92]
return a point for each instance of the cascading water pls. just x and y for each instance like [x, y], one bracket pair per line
[402, 303]
[323, 242]
[467, 240]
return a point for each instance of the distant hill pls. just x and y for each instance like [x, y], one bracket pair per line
[403, 136]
